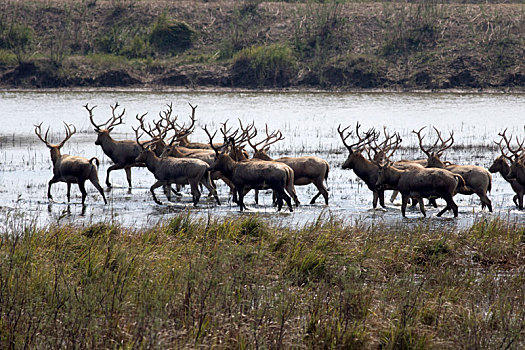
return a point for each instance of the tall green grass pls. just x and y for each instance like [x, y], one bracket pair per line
[244, 283]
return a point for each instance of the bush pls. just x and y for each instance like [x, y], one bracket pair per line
[169, 36]
[273, 65]
[19, 39]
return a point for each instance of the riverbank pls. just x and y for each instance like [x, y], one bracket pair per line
[262, 45]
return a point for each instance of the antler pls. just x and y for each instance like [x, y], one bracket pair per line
[113, 121]
[386, 149]
[90, 111]
[369, 136]
[38, 132]
[444, 143]
[69, 133]
[270, 139]
[515, 152]
[211, 139]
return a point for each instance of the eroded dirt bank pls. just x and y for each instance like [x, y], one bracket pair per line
[256, 44]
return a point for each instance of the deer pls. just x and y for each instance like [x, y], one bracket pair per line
[123, 153]
[307, 170]
[365, 169]
[247, 175]
[516, 172]
[501, 166]
[418, 182]
[180, 171]
[70, 169]
[478, 179]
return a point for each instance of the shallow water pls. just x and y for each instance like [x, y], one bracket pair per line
[308, 121]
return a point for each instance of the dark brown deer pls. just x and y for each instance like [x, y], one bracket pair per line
[501, 166]
[123, 153]
[421, 183]
[517, 166]
[417, 182]
[70, 169]
[478, 179]
[307, 170]
[364, 168]
[180, 171]
[247, 175]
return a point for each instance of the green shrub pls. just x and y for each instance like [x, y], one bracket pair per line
[273, 65]
[18, 38]
[170, 36]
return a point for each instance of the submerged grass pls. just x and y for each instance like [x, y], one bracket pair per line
[243, 283]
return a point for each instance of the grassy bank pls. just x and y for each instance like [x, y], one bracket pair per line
[242, 283]
[262, 44]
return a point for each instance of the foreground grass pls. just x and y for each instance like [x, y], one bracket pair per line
[242, 283]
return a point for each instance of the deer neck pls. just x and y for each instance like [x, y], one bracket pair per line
[262, 156]
[55, 155]
[152, 161]
[226, 165]
[364, 168]
[504, 170]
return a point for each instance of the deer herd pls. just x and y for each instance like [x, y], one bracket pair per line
[174, 160]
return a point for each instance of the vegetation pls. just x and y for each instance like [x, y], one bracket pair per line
[330, 44]
[243, 283]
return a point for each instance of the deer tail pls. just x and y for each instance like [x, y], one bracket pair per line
[97, 163]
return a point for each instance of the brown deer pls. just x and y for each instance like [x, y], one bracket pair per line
[247, 175]
[365, 169]
[180, 171]
[501, 166]
[416, 182]
[123, 153]
[517, 168]
[478, 179]
[421, 183]
[307, 170]
[70, 169]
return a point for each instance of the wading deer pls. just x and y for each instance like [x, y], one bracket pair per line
[123, 153]
[365, 169]
[70, 169]
[421, 183]
[516, 171]
[247, 175]
[180, 171]
[478, 179]
[307, 170]
[501, 166]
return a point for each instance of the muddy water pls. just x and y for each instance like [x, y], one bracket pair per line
[308, 121]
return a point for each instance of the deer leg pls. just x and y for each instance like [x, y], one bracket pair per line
[374, 198]
[485, 201]
[381, 194]
[68, 191]
[256, 196]
[110, 169]
[152, 190]
[82, 188]
[240, 193]
[291, 191]
[208, 183]
[322, 191]
[520, 201]
[450, 205]
[404, 203]
[52, 181]
[195, 193]
[393, 196]
[281, 194]
[99, 188]
[128, 175]
[432, 202]
[515, 200]
[422, 206]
